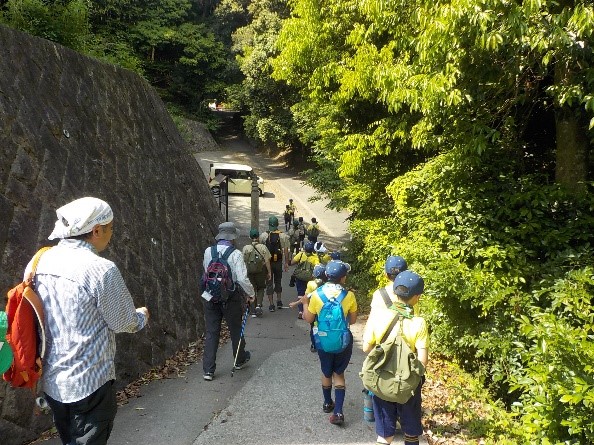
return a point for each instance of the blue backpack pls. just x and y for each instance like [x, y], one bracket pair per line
[332, 332]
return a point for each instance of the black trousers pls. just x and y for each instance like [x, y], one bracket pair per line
[88, 421]
[213, 316]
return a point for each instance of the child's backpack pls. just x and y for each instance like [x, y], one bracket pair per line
[304, 269]
[274, 246]
[301, 229]
[26, 332]
[293, 235]
[313, 231]
[217, 278]
[332, 331]
[392, 371]
[254, 260]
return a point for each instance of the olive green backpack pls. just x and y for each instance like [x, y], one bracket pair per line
[391, 370]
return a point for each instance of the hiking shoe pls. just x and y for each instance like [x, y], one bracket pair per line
[279, 304]
[337, 419]
[271, 308]
[258, 311]
[328, 407]
[300, 315]
[243, 364]
[208, 376]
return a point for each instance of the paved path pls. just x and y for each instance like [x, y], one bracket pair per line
[277, 399]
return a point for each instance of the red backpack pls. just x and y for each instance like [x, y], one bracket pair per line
[26, 333]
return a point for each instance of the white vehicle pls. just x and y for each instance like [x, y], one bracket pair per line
[239, 177]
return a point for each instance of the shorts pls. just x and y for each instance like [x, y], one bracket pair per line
[409, 414]
[335, 363]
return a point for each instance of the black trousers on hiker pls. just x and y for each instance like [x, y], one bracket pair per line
[89, 420]
[213, 315]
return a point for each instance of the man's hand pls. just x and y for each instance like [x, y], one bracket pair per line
[144, 310]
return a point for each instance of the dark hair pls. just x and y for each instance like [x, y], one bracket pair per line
[401, 291]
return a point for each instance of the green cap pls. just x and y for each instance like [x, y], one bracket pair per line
[254, 233]
[273, 222]
[5, 350]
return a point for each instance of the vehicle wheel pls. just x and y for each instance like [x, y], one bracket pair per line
[260, 192]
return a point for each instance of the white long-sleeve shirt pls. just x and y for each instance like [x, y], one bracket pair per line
[237, 265]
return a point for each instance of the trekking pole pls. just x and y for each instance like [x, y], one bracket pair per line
[243, 323]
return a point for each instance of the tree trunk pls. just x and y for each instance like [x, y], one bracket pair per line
[571, 168]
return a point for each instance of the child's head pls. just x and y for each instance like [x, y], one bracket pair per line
[408, 285]
[319, 247]
[394, 265]
[308, 246]
[336, 271]
[287, 206]
[313, 220]
[254, 234]
[335, 255]
[319, 271]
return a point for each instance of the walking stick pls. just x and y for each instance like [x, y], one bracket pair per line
[243, 323]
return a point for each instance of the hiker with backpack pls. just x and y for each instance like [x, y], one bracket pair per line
[277, 243]
[293, 240]
[312, 231]
[334, 309]
[305, 260]
[225, 282]
[292, 209]
[85, 303]
[397, 342]
[257, 261]
[301, 230]
[287, 217]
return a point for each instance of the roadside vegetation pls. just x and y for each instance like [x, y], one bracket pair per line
[458, 135]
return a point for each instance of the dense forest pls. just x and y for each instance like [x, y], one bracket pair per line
[458, 134]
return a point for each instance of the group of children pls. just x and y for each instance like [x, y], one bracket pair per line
[399, 297]
[320, 276]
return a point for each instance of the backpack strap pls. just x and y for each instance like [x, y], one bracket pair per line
[31, 296]
[214, 253]
[322, 295]
[386, 297]
[392, 324]
[228, 252]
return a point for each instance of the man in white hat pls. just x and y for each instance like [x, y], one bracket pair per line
[232, 308]
[86, 303]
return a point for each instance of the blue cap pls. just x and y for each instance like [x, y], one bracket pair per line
[319, 271]
[335, 269]
[335, 255]
[308, 246]
[413, 283]
[395, 264]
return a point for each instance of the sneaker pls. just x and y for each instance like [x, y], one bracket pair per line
[243, 364]
[254, 315]
[300, 315]
[258, 311]
[271, 308]
[337, 419]
[208, 376]
[279, 304]
[312, 348]
[328, 407]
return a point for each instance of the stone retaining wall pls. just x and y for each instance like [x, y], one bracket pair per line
[70, 127]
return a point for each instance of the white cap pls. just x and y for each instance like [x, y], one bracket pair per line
[80, 216]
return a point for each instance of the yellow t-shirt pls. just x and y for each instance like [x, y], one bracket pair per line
[414, 329]
[311, 286]
[303, 256]
[331, 290]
